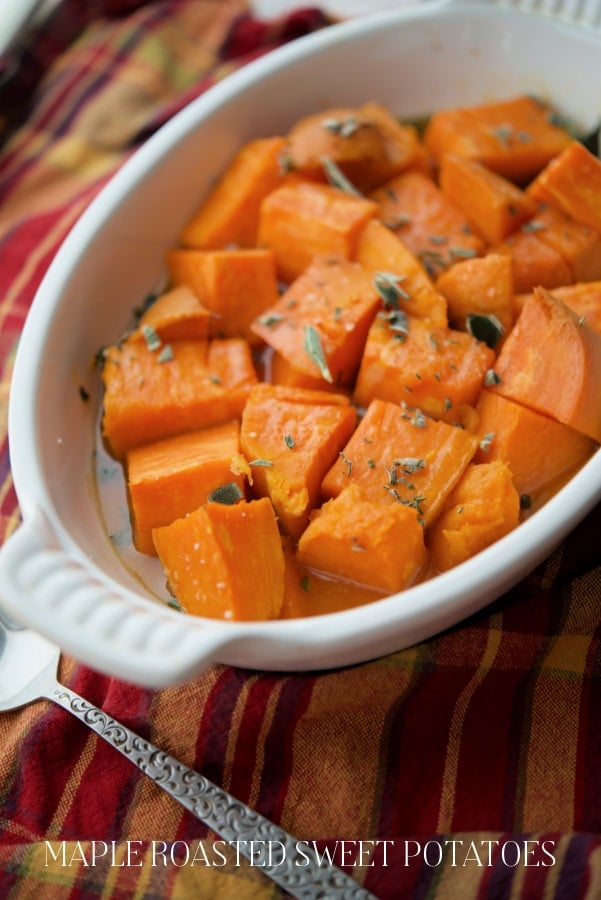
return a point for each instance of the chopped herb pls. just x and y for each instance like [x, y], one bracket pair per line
[153, 341]
[459, 510]
[503, 133]
[174, 603]
[388, 287]
[410, 464]
[270, 319]
[266, 463]
[485, 328]
[448, 403]
[581, 320]
[347, 463]
[371, 463]
[83, 394]
[229, 494]
[304, 582]
[285, 164]
[533, 225]
[438, 239]
[356, 544]
[486, 441]
[337, 178]
[399, 221]
[289, 441]
[344, 127]
[215, 379]
[525, 501]
[166, 354]
[491, 378]
[314, 350]
[397, 321]
[463, 252]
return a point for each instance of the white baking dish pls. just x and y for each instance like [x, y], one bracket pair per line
[60, 573]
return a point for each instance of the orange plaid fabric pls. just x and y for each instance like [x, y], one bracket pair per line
[465, 767]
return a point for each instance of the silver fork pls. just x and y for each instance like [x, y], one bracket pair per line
[28, 669]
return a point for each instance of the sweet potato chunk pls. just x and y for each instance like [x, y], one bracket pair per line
[172, 477]
[540, 452]
[533, 262]
[367, 144]
[551, 362]
[481, 509]
[225, 561]
[492, 204]
[175, 315]
[152, 394]
[440, 371]
[380, 251]
[578, 245]
[319, 325]
[230, 213]
[302, 220]
[434, 228]
[293, 436]
[398, 455]
[572, 181]
[235, 285]
[515, 137]
[359, 540]
[481, 286]
[583, 298]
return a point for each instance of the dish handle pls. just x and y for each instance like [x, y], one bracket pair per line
[46, 589]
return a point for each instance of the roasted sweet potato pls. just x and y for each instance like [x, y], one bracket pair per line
[398, 455]
[367, 143]
[482, 508]
[493, 205]
[309, 593]
[540, 451]
[172, 477]
[440, 371]
[551, 362]
[153, 393]
[351, 538]
[481, 286]
[235, 285]
[319, 325]
[572, 181]
[578, 245]
[293, 437]
[303, 220]
[230, 212]
[429, 224]
[533, 262]
[384, 254]
[225, 561]
[515, 137]
[583, 298]
[175, 315]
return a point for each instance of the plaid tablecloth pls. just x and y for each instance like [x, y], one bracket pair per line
[465, 767]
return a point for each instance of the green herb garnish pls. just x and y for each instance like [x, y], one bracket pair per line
[314, 350]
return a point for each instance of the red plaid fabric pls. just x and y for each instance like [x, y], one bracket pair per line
[464, 767]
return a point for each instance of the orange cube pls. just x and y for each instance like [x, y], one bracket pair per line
[302, 220]
[398, 455]
[359, 540]
[491, 203]
[319, 325]
[172, 477]
[230, 212]
[235, 285]
[515, 137]
[225, 561]
[572, 181]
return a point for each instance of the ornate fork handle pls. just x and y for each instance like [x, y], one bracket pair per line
[294, 865]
